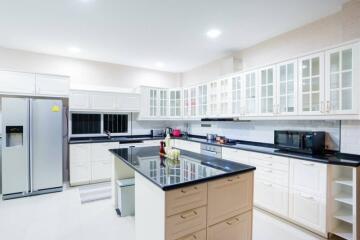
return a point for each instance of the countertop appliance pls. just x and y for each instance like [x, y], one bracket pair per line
[157, 133]
[176, 133]
[211, 137]
[168, 130]
[32, 146]
[211, 150]
[309, 142]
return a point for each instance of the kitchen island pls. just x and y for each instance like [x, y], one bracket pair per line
[196, 197]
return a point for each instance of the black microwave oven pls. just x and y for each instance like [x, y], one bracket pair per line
[300, 141]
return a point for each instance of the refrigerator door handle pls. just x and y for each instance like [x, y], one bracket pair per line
[30, 145]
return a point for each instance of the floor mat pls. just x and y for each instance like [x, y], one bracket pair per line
[95, 192]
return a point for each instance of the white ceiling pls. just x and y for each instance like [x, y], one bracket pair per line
[144, 32]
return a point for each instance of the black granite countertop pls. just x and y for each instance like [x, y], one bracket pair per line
[191, 168]
[120, 139]
[328, 158]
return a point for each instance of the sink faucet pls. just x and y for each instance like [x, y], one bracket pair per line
[108, 133]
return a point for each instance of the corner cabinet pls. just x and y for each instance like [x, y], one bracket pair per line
[342, 80]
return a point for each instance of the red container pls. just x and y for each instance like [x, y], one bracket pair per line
[176, 133]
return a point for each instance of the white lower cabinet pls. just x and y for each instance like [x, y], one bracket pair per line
[90, 162]
[187, 145]
[272, 197]
[308, 210]
[235, 155]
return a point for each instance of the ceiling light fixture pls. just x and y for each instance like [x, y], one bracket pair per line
[74, 50]
[213, 33]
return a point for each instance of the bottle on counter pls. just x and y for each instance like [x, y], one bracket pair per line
[162, 148]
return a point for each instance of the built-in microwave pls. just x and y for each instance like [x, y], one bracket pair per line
[300, 141]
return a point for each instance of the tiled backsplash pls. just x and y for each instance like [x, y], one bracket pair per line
[263, 131]
[350, 137]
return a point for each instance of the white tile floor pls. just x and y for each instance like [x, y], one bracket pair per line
[62, 216]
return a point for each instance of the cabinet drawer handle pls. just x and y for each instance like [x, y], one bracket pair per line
[308, 164]
[231, 222]
[184, 191]
[267, 184]
[190, 237]
[230, 180]
[189, 214]
[268, 170]
[269, 164]
[306, 196]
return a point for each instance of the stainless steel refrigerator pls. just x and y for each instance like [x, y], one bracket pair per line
[32, 146]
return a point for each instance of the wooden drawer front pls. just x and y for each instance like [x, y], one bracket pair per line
[229, 197]
[201, 235]
[271, 197]
[235, 155]
[308, 177]
[80, 154]
[271, 162]
[272, 175]
[185, 223]
[184, 199]
[236, 228]
[308, 210]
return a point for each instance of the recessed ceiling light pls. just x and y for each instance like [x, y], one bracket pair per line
[213, 33]
[160, 64]
[74, 49]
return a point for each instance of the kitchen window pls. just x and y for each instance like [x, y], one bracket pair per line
[116, 123]
[97, 124]
[86, 123]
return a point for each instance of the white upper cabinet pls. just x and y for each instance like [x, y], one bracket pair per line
[79, 100]
[312, 85]
[175, 103]
[163, 103]
[250, 93]
[52, 85]
[129, 102]
[153, 103]
[31, 84]
[225, 101]
[267, 90]
[287, 88]
[202, 100]
[186, 103]
[213, 99]
[193, 102]
[342, 80]
[237, 96]
[103, 101]
[17, 83]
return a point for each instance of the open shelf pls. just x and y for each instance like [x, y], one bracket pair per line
[344, 231]
[344, 198]
[344, 181]
[344, 215]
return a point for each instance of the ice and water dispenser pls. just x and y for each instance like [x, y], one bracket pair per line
[14, 136]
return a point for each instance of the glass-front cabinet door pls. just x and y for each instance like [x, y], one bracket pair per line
[237, 94]
[202, 100]
[213, 99]
[311, 87]
[163, 103]
[186, 103]
[250, 93]
[287, 88]
[225, 97]
[193, 102]
[267, 90]
[175, 103]
[153, 104]
[342, 79]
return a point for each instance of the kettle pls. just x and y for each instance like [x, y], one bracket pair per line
[168, 130]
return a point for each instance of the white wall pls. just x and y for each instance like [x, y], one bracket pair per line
[334, 29]
[263, 131]
[86, 72]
